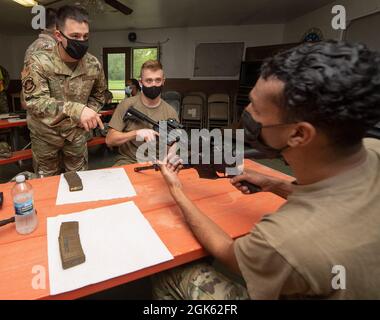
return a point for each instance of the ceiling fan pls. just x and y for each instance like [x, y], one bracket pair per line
[113, 3]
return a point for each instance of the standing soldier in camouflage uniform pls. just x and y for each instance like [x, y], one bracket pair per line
[46, 39]
[63, 90]
[4, 82]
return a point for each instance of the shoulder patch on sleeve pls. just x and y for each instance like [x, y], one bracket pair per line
[28, 85]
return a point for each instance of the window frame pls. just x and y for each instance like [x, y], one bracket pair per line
[142, 47]
[127, 51]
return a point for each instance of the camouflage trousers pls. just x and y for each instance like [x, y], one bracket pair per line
[122, 162]
[197, 281]
[4, 108]
[65, 155]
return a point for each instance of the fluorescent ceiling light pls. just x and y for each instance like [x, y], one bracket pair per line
[27, 3]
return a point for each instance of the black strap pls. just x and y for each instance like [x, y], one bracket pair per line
[7, 221]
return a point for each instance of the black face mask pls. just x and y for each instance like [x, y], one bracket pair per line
[76, 49]
[152, 92]
[252, 135]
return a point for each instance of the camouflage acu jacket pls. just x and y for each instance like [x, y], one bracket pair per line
[55, 95]
[45, 41]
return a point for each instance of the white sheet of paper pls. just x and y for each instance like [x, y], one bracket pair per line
[116, 240]
[9, 116]
[16, 120]
[102, 184]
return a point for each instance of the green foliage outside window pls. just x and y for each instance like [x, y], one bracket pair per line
[139, 57]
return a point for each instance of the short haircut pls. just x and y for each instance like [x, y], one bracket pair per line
[51, 18]
[136, 84]
[333, 85]
[153, 65]
[76, 13]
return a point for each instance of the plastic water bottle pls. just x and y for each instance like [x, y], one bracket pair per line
[22, 194]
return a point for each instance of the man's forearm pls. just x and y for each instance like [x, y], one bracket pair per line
[218, 243]
[44, 104]
[117, 138]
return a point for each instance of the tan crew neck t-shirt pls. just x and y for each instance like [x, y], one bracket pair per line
[332, 223]
[127, 151]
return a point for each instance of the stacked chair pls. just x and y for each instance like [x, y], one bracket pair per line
[204, 99]
[173, 98]
[193, 109]
[218, 110]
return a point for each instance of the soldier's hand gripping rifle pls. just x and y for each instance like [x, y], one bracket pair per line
[205, 171]
[216, 170]
[171, 124]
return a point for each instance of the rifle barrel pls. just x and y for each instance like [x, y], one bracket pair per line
[132, 111]
[254, 154]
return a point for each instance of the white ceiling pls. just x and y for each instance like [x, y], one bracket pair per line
[15, 19]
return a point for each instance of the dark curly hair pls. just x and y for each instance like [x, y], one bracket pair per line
[136, 84]
[333, 85]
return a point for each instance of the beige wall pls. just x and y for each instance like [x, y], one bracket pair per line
[322, 17]
[365, 30]
[177, 54]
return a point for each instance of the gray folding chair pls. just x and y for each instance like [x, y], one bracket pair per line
[218, 110]
[174, 99]
[204, 108]
[192, 112]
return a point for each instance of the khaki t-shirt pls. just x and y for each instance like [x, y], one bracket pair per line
[128, 150]
[332, 223]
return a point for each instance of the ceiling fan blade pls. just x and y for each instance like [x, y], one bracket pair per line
[119, 6]
[51, 2]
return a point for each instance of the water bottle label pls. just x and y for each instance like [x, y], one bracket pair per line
[24, 208]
